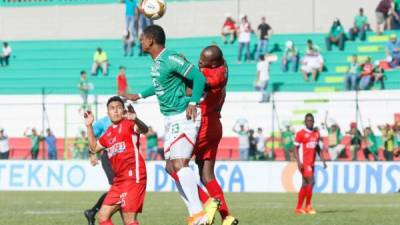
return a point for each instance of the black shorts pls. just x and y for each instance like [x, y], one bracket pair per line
[107, 167]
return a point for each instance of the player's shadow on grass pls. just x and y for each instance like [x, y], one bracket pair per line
[336, 211]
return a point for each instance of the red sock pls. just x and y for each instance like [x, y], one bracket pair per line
[202, 194]
[175, 176]
[215, 191]
[106, 222]
[309, 189]
[134, 223]
[300, 198]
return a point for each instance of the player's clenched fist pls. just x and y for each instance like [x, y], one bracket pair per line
[131, 114]
[191, 112]
[88, 118]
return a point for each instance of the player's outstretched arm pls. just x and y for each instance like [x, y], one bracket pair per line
[141, 126]
[94, 147]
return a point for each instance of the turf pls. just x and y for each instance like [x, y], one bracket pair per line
[58, 208]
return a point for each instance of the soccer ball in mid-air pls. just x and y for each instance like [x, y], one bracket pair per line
[154, 9]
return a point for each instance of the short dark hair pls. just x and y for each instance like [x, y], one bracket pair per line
[262, 57]
[309, 115]
[309, 41]
[5, 44]
[361, 10]
[156, 33]
[115, 99]
[83, 72]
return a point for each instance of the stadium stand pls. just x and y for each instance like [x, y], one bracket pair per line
[55, 65]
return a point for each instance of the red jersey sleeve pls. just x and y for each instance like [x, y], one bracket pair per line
[216, 77]
[298, 138]
[102, 140]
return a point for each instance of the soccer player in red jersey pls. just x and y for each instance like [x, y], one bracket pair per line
[213, 67]
[308, 143]
[122, 143]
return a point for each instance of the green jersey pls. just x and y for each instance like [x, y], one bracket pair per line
[287, 140]
[35, 140]
[169, 72]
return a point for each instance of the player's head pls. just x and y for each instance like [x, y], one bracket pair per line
[153, 35]
[309, 43]
[48, 131]
[122, 70]
[355, 58]
[361, 11]
[115, 109]
[309, 121]
[83, 74]
[5, 44]
[99, 50]
[211, 57]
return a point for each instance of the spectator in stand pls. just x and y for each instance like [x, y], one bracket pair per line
[51, 140]
[260, 143]
[129, 43]
[264, 32]
[388, 137]
[252, 145]
[382, 13]
[4, 147]
[290, 56]
[396, 129]
[355, 140]
[367, 74]
[262, 78]
[244, 38]
[360, 27]
[335, 148]
[81, 150]
[84, 88]
[393, 51]
[122, 82]
[379, 74]
[243, 134]
[312, 62]
[353, 72]
[336, 36]
[100, 60]
[152, 144]
[395, 18]
[288, 142]
[229, 29]
[370, 144]
[35, 141]
[130, 18]
[5, 57]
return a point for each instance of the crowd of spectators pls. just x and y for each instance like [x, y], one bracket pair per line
[339, 145]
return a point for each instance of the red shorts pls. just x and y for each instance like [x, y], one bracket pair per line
[208, 138]
[308, 170]
[128, 194]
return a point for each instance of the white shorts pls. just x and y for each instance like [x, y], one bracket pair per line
[180, 135]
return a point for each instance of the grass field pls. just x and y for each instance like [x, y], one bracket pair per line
[58, 208]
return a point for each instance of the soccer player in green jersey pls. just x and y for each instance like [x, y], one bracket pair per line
[181, 113]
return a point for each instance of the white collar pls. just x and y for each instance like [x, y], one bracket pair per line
[160, 54]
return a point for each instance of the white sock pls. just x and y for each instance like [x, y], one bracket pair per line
[187, 178]
[182, 194]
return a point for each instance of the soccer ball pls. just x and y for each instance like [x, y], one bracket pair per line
[154, 9]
